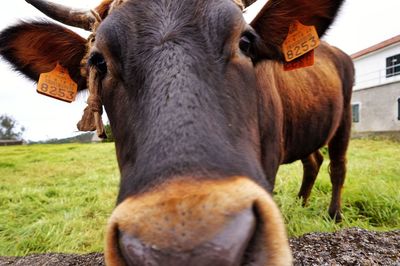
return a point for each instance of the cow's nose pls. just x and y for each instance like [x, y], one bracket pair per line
[226, 248]
[186, 222]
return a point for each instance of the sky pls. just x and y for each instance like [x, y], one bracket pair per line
[360, 24]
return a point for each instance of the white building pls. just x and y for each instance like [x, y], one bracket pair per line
[376, 94]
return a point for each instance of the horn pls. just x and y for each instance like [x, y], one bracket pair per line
[252, 12]
[83, 19]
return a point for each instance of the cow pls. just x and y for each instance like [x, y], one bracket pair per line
[203, 115]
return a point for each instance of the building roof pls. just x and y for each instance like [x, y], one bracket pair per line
[377, 47]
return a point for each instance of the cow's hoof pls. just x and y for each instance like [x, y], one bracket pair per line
[336, 216]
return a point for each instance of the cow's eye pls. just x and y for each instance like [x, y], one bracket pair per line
[97, 60]
[246, 43]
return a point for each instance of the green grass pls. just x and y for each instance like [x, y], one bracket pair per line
[57, 198]
[371, 196]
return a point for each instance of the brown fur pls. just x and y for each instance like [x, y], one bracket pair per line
[104, 8]
[311, 166]
[36, 48]
[274, 24]
[311, 110]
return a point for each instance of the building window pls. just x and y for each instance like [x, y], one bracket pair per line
[393, 66]
[355, 108]
[398, 109]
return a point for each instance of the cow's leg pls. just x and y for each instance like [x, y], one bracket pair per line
[337, 168]
[311, 166]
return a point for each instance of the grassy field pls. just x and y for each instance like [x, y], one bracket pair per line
[57, 198]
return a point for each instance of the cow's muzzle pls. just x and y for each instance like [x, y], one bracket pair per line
[229, 222]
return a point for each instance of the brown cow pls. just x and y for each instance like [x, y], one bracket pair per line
[203, 115]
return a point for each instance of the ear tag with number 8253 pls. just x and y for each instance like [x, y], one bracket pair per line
[57, 84]
[301, 39]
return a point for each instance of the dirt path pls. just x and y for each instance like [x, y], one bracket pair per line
[347, 247]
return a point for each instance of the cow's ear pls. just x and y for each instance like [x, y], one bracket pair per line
[273, 22]
[36, 47]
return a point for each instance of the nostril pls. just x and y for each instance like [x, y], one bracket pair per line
[233, 241]
[133, 251]
[226, 248]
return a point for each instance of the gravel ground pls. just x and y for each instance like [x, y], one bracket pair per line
[347, 247]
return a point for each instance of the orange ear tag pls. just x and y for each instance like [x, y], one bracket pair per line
[300, 40]
[57, 84]
[303, 61]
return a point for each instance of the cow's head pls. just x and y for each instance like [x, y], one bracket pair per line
[179, 85]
